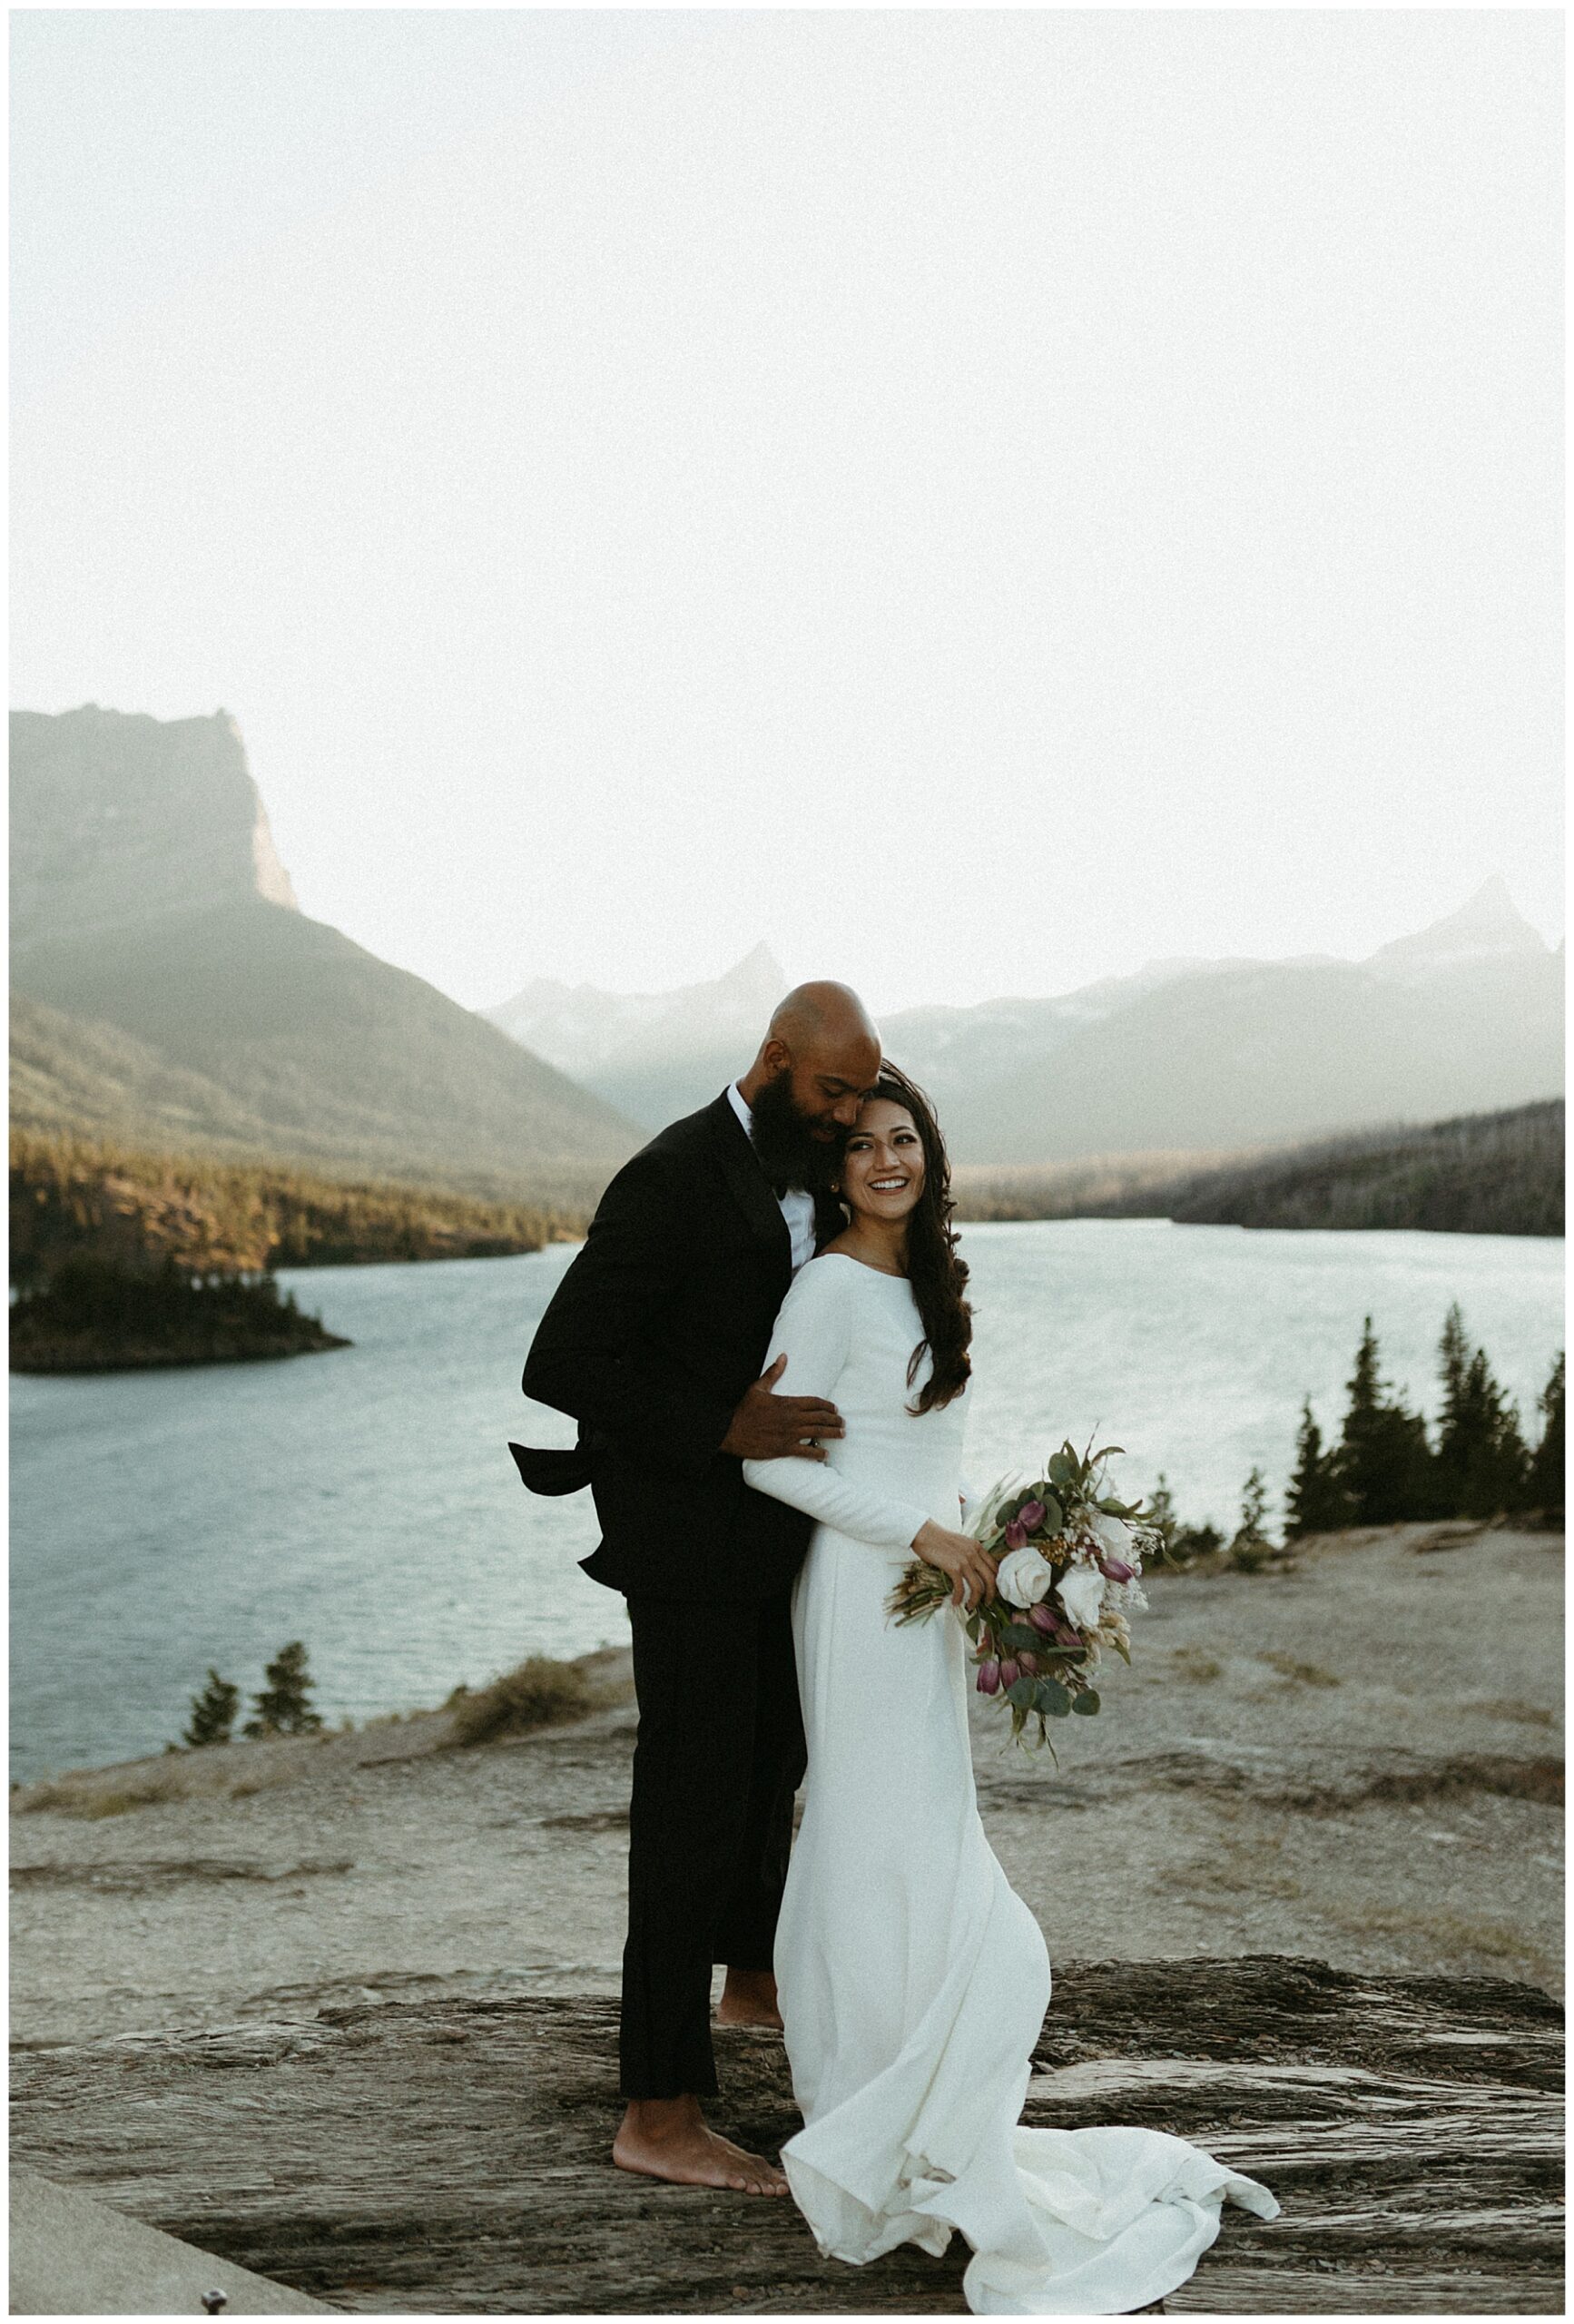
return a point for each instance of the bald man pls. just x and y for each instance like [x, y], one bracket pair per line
[654, 1342]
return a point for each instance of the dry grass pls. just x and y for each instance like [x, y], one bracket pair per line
[538, 1693]
[1521, 1714]
[1302, 1674]
[1196, 1668]
[218, 1773]
[1460, 1941]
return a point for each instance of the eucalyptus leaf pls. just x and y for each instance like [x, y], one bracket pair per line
[1054, 1515]
[1019, 1693]
[1051, 1697]
[1020, 1634]
[1087, 1702]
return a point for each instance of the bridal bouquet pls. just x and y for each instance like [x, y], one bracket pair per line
[1068, 1570]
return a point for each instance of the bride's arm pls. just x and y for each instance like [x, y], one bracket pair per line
[813, 1333]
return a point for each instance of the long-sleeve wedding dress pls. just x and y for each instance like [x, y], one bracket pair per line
[913, 1980]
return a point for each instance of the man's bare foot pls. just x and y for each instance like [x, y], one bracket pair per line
[749, 1998]
[669, 2138]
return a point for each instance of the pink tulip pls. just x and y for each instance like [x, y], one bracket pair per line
[1028, 1662]
[1043, 1621]
[1116, 1569]
[1010, 1672]
[1016, 1534]
[989, 1677]
[1031, 1514]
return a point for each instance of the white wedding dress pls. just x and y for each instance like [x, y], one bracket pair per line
[913, 1980]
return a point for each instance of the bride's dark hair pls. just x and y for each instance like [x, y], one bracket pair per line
[938, 1276]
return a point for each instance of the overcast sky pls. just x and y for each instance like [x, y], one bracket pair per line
[977, 500]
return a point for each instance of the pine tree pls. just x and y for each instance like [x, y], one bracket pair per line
[212, 1713]
[1315, 1501]
[1383, 1460]
[1482, 1464]
[1454, 1352]
[283, 1707]
[1251, 1546]
[1544, 1481]
[1160, 1512]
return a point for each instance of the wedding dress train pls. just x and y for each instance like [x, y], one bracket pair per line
[913, 1980]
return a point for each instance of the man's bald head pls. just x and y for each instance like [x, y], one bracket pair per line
[813, 1015]
[822, 1045]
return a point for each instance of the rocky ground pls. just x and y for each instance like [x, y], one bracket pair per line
[1356, 1762]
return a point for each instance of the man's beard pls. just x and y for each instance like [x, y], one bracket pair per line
[789, 1153]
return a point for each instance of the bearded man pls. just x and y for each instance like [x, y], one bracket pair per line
[654, 1341]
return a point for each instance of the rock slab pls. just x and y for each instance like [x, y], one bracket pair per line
[450, 2157]
[71, 2256]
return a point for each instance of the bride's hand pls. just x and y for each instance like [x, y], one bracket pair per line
[970, 1565]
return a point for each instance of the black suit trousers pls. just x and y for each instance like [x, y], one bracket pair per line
[720, 1755]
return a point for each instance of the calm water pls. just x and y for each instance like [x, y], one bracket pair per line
[366, 1501]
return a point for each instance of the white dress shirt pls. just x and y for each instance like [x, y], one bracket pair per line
[796, 1206]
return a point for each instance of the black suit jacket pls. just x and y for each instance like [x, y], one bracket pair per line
[651, 1339]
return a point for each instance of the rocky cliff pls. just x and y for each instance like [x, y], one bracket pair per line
[116, 818]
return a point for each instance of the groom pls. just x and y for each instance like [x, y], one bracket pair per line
[653, 1341]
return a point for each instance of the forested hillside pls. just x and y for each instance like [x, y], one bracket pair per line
[74, 1197]
[1478, 1173]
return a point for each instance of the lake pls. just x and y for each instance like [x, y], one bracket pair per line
[365, 1501]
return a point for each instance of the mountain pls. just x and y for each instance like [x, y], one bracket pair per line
[653, 1056]
[1467, 1016]
[117, 819]
[1486, 929]
[952, 1052]
[168, 990]
[1186, 1055]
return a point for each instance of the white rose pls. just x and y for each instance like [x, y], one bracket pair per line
[1023, 1576]
[1082, 1595]
[1112, 1534]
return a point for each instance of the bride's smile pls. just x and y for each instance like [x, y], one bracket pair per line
[882, 1163]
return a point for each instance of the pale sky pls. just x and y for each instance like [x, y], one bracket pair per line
[976, 500]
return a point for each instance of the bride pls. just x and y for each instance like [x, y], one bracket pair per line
[913, 1981]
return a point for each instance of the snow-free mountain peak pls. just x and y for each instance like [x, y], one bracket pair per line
[585, 1031]
[1487, 926]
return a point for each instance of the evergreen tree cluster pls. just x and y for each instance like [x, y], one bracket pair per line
[1385, 1466]
[283, 1706]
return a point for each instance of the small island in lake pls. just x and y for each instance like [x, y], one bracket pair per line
[95, 1316]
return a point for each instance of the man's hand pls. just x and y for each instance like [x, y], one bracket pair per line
[765, 1426]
